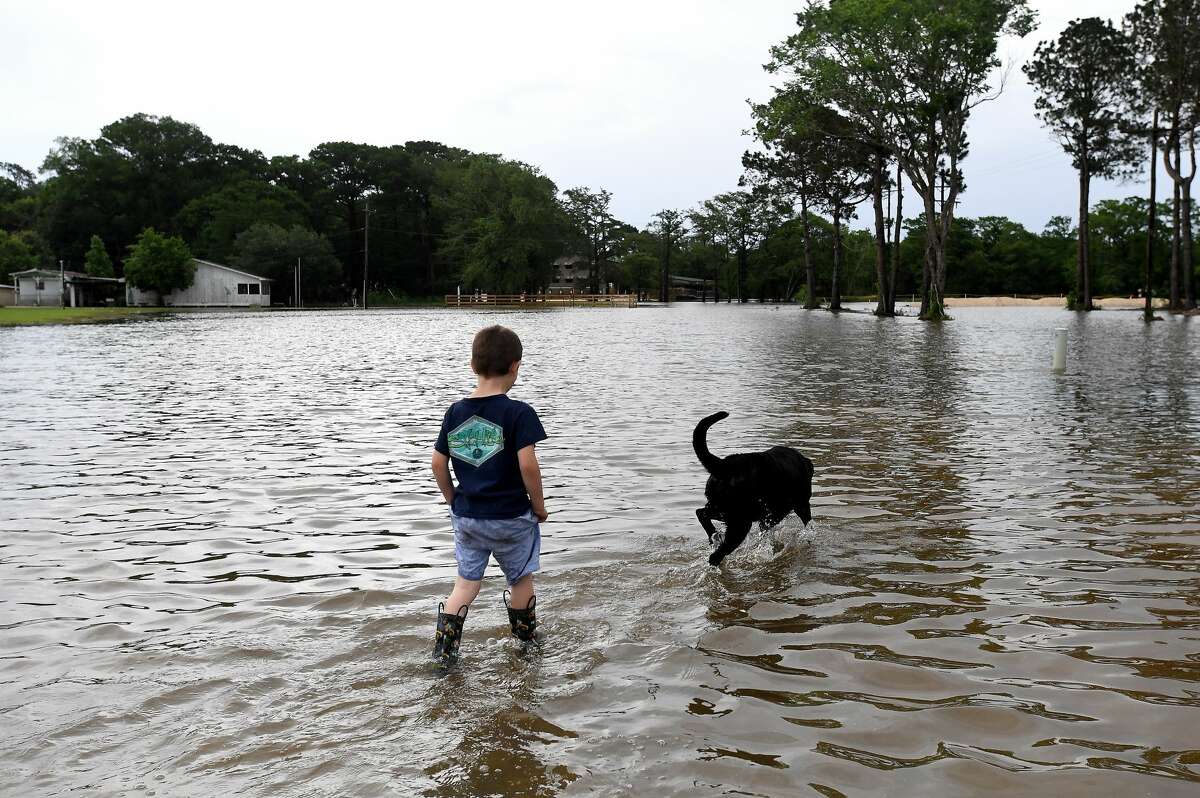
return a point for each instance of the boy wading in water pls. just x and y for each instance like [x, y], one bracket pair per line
[497, 504]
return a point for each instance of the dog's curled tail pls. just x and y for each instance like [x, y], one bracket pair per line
[700, 442]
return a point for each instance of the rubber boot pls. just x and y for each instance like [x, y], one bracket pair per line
[523, 622]
[448, 635]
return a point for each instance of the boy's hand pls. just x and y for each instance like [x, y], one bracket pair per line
[531, 475]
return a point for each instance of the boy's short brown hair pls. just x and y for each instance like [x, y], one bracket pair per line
[494, 350]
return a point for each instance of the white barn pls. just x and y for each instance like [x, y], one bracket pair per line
[215, 285]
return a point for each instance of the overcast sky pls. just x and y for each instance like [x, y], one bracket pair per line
[646, 99]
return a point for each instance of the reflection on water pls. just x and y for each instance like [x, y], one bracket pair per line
[220, 553]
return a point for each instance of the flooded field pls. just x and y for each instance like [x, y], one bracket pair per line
[221, 553]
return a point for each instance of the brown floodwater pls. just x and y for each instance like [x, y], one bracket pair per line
[221, 552]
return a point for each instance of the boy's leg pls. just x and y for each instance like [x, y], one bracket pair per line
[522, 611]
[465, 591]
[522, 591]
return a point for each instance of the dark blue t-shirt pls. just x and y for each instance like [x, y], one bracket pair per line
[482, 437]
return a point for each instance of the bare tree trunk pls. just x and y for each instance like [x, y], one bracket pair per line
[1083, 277]
[810, 302]
[835, 293]
[742, 256]
[929, 282]
[940, 273]
[881, 276]
[1176, 270]
[891, 306]
[1174, 167]
[923, 311]
[1148, 312]
[1186, 251]
[664, 293]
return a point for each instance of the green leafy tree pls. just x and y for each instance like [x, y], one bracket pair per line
[275, 252]
[96, 262]
[159, 263]
[910, 71]
[211, 223]
[640, 268]
[668, 227]
[1167, 34]
[140, 172]
[15, 256]
[840, 179]
[786, 166]
[505, 226]
[597, 232]
[740, 220]
[1083, 81]
[706, 255]
[18, 197]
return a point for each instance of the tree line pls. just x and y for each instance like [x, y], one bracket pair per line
[874, 103]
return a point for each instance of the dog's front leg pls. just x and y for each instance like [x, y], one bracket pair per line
[735, 533]
[704, 514]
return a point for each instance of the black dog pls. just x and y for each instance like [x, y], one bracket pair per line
[745, 488]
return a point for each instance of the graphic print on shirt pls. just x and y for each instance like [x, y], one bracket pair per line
[476, 441]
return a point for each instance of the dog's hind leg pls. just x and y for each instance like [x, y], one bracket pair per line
[735, 533]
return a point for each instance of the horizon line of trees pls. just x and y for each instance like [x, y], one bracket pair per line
[876, 98]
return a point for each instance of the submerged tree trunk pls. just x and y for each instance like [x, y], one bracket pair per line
[1186, 251]
[810, 270]
[743, 255]
[1083, 281]
[932, 274]
[891, 305]
[1181, 251]
[1152, 219]
[835, 293]
[881, 274]
[923, 311]
[665, 291]
[1176, 300]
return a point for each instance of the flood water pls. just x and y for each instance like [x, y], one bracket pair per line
[221, 553]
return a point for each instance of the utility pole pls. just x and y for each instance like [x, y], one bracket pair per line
[366, 247]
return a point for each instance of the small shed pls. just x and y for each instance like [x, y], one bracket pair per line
[51, 288]
[214, 285]
[8, 295]
[40, 287]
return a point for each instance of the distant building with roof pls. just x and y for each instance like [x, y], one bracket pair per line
[571, 275]
[214, 285]
[61, 288]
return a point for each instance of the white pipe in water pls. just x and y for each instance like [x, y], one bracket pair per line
[1060, 350]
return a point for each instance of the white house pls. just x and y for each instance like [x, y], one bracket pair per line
[215, 285]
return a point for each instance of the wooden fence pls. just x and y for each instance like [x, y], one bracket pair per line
[541, 300]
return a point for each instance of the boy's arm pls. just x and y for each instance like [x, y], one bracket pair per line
[531, 475]
[441, 472]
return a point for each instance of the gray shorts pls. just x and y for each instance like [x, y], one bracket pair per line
[514, 542]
